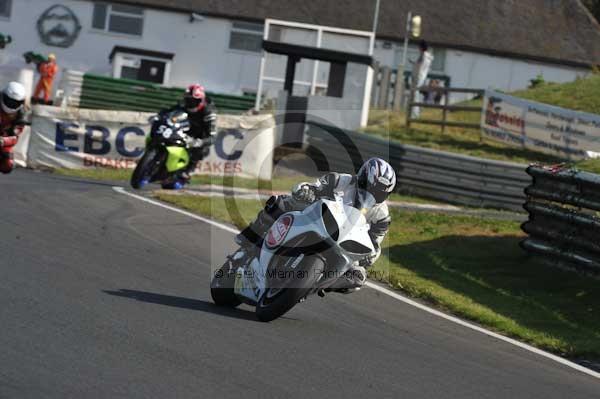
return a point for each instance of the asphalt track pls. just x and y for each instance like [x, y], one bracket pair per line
[104, 296]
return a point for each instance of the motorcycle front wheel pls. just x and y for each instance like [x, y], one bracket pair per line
[222, 287]
[279, 298]
[147, 167]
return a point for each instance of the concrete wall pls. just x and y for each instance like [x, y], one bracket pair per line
[480, 71]
[201, 48]
[484, 71]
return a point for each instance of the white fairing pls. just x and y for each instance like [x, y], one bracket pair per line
[352, 224]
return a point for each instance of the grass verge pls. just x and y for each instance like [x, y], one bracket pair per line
[123, 175]
[392, 126]
[280, 184]
[590, 165]
[229, 210]
[473, 268]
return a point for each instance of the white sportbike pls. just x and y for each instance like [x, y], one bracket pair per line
[303, 253]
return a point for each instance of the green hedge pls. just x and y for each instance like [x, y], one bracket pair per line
[101, 92]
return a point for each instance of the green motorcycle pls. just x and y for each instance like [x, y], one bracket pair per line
[166, 151]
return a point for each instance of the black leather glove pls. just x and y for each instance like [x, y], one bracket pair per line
[304, 193]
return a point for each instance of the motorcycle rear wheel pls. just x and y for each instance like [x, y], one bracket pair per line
[276, 301]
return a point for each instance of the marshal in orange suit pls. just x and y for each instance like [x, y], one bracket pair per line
[47, 70]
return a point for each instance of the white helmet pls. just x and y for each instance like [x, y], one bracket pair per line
[377, 177]
[13, 98]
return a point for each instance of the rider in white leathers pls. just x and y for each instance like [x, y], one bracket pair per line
[376, 176]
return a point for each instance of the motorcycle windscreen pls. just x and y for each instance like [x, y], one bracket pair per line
[177, 159]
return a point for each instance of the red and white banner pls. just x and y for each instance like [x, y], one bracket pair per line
[540, 127]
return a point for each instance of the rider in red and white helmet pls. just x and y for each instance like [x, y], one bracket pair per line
[12, 104]
[202, 115]
[194, 99]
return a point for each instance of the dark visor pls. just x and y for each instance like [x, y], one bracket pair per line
[191, 102]
[380, 196]
[11, 102]
[380, 192]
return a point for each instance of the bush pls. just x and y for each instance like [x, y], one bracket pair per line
[538, 81]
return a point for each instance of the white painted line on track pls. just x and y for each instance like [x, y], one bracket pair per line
[482, 330]
[390, 293]
[121, 190]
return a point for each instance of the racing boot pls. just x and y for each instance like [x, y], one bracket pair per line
[185, 177]
[250, 242]
[172, 184]
[251, 238]
[177, 182]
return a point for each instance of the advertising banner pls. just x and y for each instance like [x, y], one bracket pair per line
[539, 127]
[78, 138]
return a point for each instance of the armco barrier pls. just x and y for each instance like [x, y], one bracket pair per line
[433, 174]
[101, 92]
[563, 226]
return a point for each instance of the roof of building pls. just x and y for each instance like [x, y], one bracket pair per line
[560, 31]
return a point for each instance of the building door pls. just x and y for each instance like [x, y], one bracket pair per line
[294, 121]
[152, 71]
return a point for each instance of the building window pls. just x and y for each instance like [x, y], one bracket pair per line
[5, 7]
[246, 36]
[140, 64]
[114, 18]
[147, 70]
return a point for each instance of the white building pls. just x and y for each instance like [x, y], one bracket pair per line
[215, 51]
[477, 43]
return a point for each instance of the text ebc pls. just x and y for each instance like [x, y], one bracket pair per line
[96, 141]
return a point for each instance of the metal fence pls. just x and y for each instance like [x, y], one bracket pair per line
[563, 225]
[433, 174]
